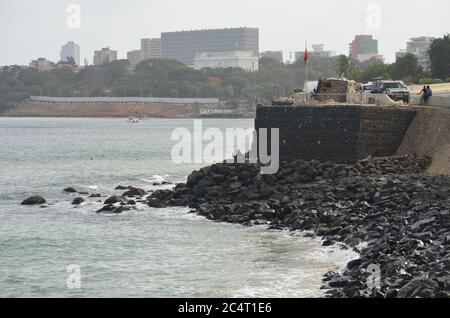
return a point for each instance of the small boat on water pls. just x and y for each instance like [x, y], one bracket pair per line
[133, 120]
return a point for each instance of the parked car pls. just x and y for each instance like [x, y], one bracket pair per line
[396, 90]
[361, 87]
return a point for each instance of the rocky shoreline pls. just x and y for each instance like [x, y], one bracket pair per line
[401, 214]
[388, 210]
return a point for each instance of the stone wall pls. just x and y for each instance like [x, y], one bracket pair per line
[429, 134]
[341, 133]
[435, 101]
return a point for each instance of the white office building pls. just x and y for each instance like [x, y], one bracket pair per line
[70, 49]
[134, 58]
[419, 47]
[105, 55]
[319, 50]
[248, 61]
[150, 49]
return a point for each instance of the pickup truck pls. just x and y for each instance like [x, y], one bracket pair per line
[396, 90]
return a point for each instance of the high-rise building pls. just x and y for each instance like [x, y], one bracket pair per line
[182, 46]
[105, 55]
[278, 55]
[150, 49]
[364, 47]
[248, 61]
[70, 49]
[134, 58]
[419, 47]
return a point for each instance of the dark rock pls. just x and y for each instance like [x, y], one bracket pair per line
[355, 263]
[77, 201]
[134, 192]
[115, 199]
[34, 200]
[402, 214]
[111, 209]
[70, 190]
[194, 178]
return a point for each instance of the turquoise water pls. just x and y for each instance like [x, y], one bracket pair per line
[142, 253]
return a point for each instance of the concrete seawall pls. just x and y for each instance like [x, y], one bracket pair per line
[346, 133]
[434, 101]
[341, 133]
[429, 134]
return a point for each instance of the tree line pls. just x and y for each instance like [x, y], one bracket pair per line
[168, 78]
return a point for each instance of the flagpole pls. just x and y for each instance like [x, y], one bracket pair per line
[306, 67]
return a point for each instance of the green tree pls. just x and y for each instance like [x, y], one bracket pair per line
[406, 68]
[373, 72]
[440, 57]
[343, 66]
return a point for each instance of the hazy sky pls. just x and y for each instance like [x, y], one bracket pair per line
[38, 28]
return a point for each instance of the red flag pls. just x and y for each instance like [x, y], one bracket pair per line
[306, 55]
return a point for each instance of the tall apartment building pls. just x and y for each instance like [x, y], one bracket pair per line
[105, 55]
[248, 61]
[420, 46]
[70, 49]
[364, 47]
[182, 46]
[278, 55]
[150, 49]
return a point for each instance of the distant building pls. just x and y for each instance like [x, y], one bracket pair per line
[134, 58]
[319, 50]
[70, 49]
[419, 47]
[150, 49]
[182, 46]
[105, 55]
[248, 61]
[367, 57]
[42, 64]
[364, 47]
[400, 54]
[277, 55]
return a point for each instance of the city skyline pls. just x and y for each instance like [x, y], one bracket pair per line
[41, 28]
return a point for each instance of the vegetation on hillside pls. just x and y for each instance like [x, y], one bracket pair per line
[167, 78]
